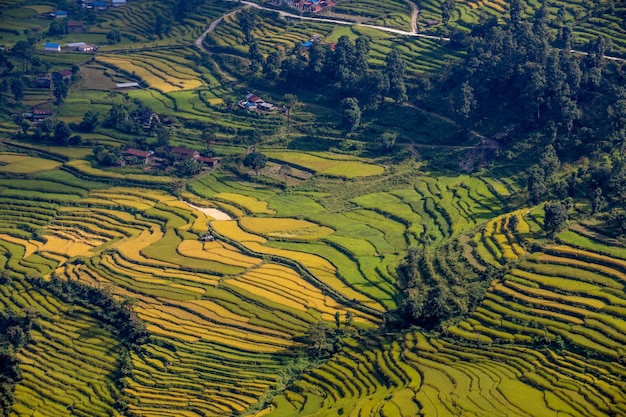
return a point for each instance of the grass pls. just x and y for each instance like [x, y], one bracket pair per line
[22, 164]
[326, 166]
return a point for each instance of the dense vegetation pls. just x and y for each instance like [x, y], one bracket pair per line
[416, 224]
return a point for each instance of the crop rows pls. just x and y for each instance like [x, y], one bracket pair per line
[69, 362]
[136, 21]
[144, 245]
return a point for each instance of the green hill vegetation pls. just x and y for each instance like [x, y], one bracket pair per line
[376, 208]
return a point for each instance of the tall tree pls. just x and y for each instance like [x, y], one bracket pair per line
[271, 68]
[23, 50]
[516, 9]
[247, 20]
[256, 57]
[447, 8]
[395, 68]
[163, 136]
[549, 162]
[60, 91]
[467, 102]
[290, 103]
[537, 187]
[555, 217]
[89, 122]
[351, 113]
[62, 133]
[255, 160]
[17, 88]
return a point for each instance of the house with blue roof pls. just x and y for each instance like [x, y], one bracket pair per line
[54, 47]
[58, 14]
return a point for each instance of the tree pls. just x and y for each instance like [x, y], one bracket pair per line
[338, 318]
[290, 102]
[446, 11]
[388, 140]
[321, 340]
[598, 201]
[271, 68]
[467, 103]
[62, 133]
[255, 160]
[60, 91]
[349, 318]
[23, 50]
[343, 60]
[351, 113]
[247, 20]
[163, 136]
[555, 217]
[549, 162]
[17, 88]
[256, 57]
[4, 88]
[515, 12]
[47, 126]
[106, 155]
[374, 88]
[537, 187]
[25, 126]
[162, 25]
[56, 28]
[395, 68]
[117, 115]
[114, 36]
[189, 167]
[208, 136]
[89, 122]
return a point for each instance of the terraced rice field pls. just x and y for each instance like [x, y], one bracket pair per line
[224, 315]
[547, 339]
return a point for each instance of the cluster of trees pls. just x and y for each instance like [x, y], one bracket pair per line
[438, 288]
[14, 332]
[51, 130]
[520, 69]
[341, 69]
[119, 314]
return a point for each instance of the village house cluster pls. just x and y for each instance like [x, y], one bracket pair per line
[78, 27]
[46, 81]
[254, 102]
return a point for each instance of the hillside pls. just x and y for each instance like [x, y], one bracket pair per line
[374, 208]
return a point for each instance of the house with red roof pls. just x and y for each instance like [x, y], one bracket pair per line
[75, 27]
[144, 156]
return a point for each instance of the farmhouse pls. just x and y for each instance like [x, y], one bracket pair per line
[58, 14]
[42, 81]
[209, 161]
[75, 27]
[62, 75]
[147, 118]
[85, 48]
[144, 156]
[118, 3]
[37, 115]
[54, 47]
[253, 102]
[185, 152]
[97, 5]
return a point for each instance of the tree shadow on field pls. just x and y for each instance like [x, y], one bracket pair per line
[309, 143]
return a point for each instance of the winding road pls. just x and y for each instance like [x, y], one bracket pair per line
[283, 14]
